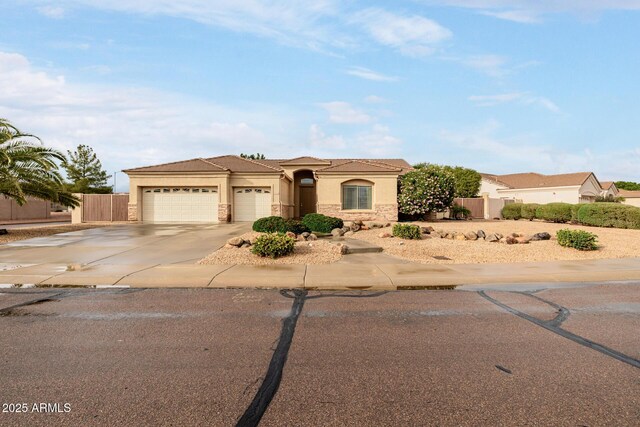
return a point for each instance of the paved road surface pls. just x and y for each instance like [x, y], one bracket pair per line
[563, 356]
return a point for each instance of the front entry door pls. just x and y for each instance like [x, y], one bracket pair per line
[307, 200]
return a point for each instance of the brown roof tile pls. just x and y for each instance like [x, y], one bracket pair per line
[239, 164]
[306, 160]
[360, 166]
[629, 194]
[606, 184]
[192, 165]
[536, 180]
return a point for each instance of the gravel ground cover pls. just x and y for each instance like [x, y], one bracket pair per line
[311, 252]
[16, 234]
[613, 243]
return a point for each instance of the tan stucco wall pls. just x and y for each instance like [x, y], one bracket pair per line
[543, 195]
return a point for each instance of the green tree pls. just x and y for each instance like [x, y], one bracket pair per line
[627, 185]
[29, 169]
[467, 181]
[85, 173]
[424, 190]
[256, 156]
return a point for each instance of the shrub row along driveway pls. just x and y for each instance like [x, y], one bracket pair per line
[199, 357]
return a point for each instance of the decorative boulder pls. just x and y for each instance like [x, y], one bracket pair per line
[235, 241]
[481, 234]
[305, 234]
[471, 236]
[337, 232]
[540, 236]
[300, 238]
[523, 239]
[312, 237]
[290, 234]
[354, 227]
[491, 238]
[510, 240]
[460, 236]
[499, 236]
[245, 245]
[427, 230]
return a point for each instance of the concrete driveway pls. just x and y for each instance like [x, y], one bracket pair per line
[130, 244]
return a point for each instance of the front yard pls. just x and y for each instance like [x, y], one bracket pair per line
[613, 243]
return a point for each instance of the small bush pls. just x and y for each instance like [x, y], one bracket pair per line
[528, 211]
[460, 212]
[321, 223]
[512, 211]
[555, 212]
[609, 215]
[577, 239]
[574, 212]
[407, 231]
[273, 245]
[269, 224]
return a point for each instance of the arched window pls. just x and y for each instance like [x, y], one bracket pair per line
[357, 195]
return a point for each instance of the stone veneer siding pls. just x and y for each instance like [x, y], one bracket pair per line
[276, 209]
[132, 212]
[224, 213]
[379, 213]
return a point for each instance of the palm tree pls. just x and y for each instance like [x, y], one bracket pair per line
[29, 169]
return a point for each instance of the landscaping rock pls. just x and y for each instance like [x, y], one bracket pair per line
[245, 245]
[481, 234]
[510, 240]
[491, 238]
[427, 230]
[354, 227]
[460, 236]
[499, 236]
[228, 246]
[384, 235]
[359, 222]
[312, 237]
[540, 236]
[364, 228]
[345, 229]
[523, 239]
[471, 236]
[300, 238]
[290, 234]
[337, 232]
[235, 241]
[305, 234]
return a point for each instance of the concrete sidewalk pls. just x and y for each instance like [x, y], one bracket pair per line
[319, 276]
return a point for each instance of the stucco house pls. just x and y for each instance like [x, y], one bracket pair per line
[231, 188]
[581, 187]
[609, 189]
[630, 197]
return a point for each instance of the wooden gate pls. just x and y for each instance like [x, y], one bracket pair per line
[104, 207]
[475, 205]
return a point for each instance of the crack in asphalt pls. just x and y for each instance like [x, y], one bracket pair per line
[563, 312]
[269, 387]
[8, 311]
[553, 327]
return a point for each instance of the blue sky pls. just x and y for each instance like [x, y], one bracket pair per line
[498, 85]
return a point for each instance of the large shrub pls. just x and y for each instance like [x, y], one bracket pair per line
[555, 212]
[269, 224]
[273, 245]
[425, 190]
[528, 211]
[577, 239]
[512, 211]
[574, 212]
[321, 223]
[460, 212]
[609, 215]
[277, 224]
[407, 231]
[466, 181]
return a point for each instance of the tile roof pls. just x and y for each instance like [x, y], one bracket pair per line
[536, 180]
[606, 185]
[192, 165]
[231, 163]
[629, 194]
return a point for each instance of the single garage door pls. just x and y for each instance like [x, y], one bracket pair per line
[250, 204]
[177, 205]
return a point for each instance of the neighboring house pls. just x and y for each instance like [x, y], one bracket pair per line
[231, 188]
[532, 187]
[630, 197]
[609, 189]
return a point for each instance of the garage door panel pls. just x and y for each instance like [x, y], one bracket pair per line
[251, 203]
[180, 205]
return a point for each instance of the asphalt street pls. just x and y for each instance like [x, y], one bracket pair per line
[567, 355]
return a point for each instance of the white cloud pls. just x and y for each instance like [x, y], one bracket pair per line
[520, 16]
[135, 126]
[492, 65]
[374, 99]
[411, 35]
[53, 12]
[520, 97]
[374, 142]
[345, 113]
[319, 140]
[367, 74]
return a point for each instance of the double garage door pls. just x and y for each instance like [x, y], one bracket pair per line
[250, 204]
[176, 205]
